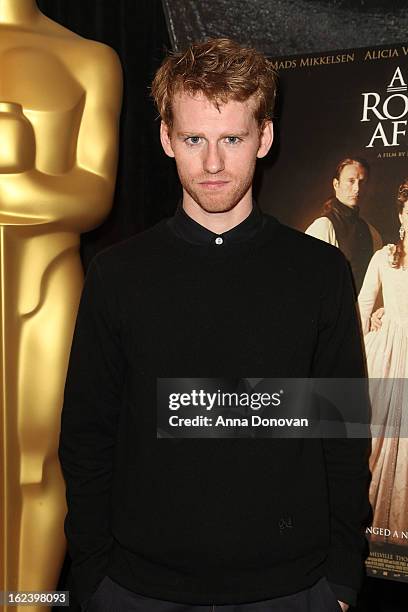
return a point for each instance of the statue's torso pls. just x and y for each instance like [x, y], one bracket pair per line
[38, 72]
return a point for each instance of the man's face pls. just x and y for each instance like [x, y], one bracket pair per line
[215, 150]
[351, 183]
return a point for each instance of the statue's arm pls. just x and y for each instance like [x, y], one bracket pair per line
[82, 197]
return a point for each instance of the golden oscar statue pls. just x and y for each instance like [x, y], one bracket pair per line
[60, 98]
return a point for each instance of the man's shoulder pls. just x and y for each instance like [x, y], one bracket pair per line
[130, 250]
[323, 223]
[313, 268]
[307, 247]
[323, 229]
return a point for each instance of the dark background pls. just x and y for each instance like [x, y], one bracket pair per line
[147, 185]
[283, 27]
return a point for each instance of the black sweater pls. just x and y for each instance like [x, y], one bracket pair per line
[198, 520]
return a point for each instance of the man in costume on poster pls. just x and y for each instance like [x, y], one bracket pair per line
[211, 524]
[341, 223]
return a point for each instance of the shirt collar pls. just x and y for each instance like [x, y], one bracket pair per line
[186, 228]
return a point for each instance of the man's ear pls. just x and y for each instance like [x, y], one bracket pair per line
[335, 184]
[165, 139]
[266, 138]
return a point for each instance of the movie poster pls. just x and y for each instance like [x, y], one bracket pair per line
[332, 107]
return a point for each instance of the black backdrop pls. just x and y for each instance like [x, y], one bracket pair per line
[290, 27]
[147, 184]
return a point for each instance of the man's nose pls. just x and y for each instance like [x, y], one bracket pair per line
[213, 160]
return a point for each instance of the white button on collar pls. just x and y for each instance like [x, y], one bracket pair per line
[219, 240]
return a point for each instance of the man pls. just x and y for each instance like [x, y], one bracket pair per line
[341, 224]
[219, 290]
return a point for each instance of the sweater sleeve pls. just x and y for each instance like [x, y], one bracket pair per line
[339, 354]
[92, 399]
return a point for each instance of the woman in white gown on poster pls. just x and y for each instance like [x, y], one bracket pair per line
[387, 358]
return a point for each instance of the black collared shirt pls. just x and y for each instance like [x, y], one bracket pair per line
[153, 306]
[186, 228]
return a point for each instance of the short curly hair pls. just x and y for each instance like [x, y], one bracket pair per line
[222, 70]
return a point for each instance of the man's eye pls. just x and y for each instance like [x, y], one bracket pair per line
[232, 139]
[193, 140]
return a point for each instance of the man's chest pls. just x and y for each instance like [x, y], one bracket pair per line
[247, 322]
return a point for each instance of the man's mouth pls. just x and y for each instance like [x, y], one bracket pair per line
[213, 185]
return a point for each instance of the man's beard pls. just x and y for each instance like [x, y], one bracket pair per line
[217, 202]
